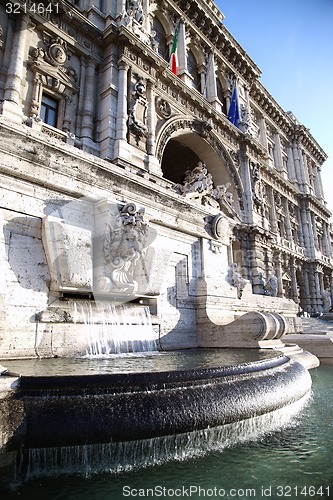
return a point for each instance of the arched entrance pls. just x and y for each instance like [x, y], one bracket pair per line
[178, 158]
[181, 150]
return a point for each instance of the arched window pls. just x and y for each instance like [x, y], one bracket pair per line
[160, 38]
[192, 68]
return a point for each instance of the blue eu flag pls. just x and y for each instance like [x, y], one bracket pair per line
[233, 114]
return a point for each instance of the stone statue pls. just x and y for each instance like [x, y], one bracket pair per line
[198, 184]
[237, 279]
[135, 10]
[327, 300]
[138, 113]
[271, 286]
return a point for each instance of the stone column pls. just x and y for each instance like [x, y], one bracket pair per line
[307, 174]
[122, 115]
[291, 166]
[278, 153]
[273, 218]
[279, 273]
[12, 94]
[317, 183]
[307, 232]
[245, 173]
[287, 225]
[35, 97]
[67, 120]
[296, 160]
[263, 133]
[307, 301]
[294, 287]
[318, 289]
[88, 102]
[327, 250]
[321, 194]
[80, 106]
[314, 231]
[202, 74]
[153, 163]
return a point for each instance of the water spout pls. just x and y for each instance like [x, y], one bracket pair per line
[115, 329]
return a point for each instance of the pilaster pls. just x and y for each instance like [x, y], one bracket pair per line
[12, 95]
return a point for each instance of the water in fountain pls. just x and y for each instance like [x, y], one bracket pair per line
[118, 457]
[116, 329]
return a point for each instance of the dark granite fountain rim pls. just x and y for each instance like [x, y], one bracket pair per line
[149, 380]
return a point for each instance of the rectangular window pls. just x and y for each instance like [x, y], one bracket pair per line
[49, 110]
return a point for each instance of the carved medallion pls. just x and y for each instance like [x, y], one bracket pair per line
[221, 229]
[163, 108]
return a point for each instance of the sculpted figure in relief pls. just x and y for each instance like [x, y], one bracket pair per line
[198, 184]
[135, 10]
[124, 245]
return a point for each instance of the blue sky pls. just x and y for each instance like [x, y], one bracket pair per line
[292, 43]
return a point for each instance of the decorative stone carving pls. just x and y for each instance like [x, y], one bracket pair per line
[327, 300]
[138, 112]
[163, 108]
[49, 72]
[134, 18]
[215, 143]
[135, 10]
[236, 279]
[198, 184]
[125, 242]
[256, 184]
[271, 285]
[221, 229]
[204, 127]
[1, 33]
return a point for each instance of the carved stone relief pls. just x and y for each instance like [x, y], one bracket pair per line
[50, 72]
[134, 18]
[163, 108]
[256, 184]
[125, 241]
[198, 185]
[137, 120]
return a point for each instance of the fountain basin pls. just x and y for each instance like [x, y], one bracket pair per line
[75, 409]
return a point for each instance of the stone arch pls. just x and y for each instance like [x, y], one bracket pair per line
[164, 18]
[207, 147]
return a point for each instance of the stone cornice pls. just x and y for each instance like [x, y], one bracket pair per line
[285, 121]
[303, 137]
[314, 204]
[270, 108]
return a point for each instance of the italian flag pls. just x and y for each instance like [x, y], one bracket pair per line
[173, 57]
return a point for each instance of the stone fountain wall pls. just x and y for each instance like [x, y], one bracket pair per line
[67, 217]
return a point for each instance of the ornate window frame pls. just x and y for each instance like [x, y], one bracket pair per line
[52, 76]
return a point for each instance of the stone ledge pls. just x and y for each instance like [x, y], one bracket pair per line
[319, 345]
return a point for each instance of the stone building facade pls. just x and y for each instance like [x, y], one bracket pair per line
[90, 111]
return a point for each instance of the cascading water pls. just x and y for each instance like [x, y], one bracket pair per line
[117, 418]
[116, 329]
